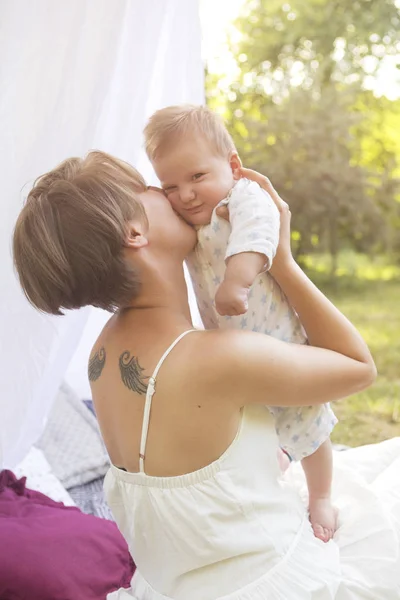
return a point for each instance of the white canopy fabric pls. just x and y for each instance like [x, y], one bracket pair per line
[74, 76]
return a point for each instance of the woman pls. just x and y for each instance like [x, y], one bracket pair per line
[194, 484]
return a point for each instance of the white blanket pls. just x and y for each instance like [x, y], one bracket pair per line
[39, 477]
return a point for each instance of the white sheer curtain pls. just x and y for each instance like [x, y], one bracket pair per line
[74, 75]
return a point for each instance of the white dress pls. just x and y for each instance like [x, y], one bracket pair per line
[236, 530]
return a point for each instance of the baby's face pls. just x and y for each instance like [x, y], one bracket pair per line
[194, 179]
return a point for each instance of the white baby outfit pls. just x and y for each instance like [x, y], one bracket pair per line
[254, 227]
[236, 530]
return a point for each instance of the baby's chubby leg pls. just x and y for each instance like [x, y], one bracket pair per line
[318, 470]
[299, 430]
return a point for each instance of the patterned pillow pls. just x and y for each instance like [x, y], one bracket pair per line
[71, 441]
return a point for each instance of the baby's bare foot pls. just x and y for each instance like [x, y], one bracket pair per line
[323, 517]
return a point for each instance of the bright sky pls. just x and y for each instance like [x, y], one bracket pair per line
[217, 17]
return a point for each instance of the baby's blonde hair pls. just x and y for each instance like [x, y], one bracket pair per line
[172, 123]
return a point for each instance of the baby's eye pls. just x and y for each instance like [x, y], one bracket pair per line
[198, 175]
[169, 189]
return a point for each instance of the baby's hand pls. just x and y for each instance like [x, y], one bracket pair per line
[231, 298]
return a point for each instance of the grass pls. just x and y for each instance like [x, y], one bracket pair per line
[368, 293]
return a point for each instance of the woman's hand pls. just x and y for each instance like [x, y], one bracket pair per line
[263, 182]
[283, 256]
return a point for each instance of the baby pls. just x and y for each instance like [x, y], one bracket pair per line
[199, 169]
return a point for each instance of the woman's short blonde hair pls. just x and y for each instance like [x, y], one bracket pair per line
[69, 237]
[170, 124]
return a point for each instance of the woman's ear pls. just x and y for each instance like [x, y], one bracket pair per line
[236, 164]
[135, 236]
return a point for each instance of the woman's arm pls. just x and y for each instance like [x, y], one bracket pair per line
[259, 369]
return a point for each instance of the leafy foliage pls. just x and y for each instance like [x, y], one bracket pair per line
[325, 40]
[301, 112]
[367, 291]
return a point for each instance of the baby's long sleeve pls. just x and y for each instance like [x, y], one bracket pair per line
[254, 220]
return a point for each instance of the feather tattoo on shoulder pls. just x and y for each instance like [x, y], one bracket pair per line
[96, 364]
[132, 373]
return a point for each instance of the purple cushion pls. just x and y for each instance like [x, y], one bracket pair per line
[52, 552]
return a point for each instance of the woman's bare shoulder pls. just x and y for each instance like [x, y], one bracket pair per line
[219, 351]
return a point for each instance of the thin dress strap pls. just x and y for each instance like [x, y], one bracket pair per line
[151, 388]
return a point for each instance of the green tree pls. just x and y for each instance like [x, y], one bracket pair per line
[305, 146]
[316, 41]
[298, 111]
